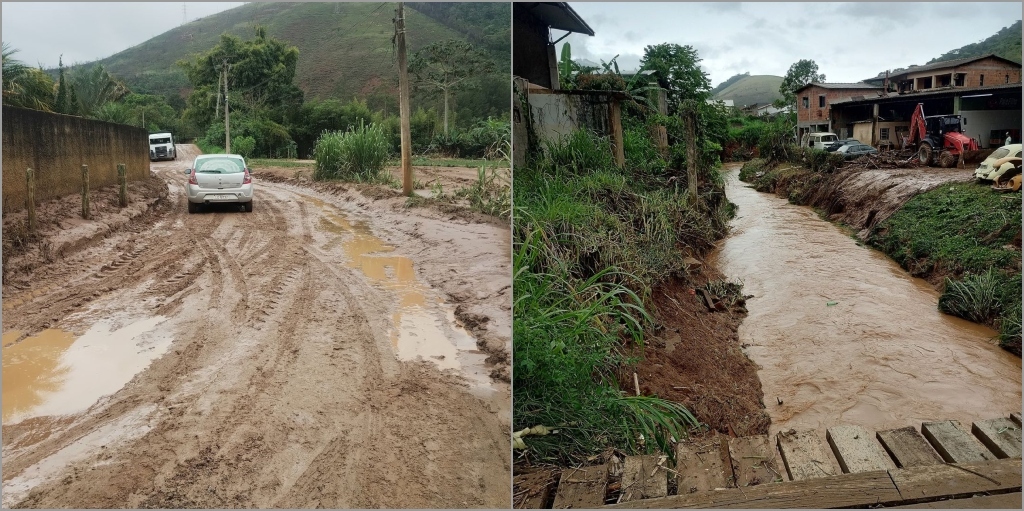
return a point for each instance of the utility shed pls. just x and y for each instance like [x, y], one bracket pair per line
[532, 22]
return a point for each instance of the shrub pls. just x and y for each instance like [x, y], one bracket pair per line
[357, 155]
[244, 146]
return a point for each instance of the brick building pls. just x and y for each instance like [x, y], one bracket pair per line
[968, 72]
[814, 101]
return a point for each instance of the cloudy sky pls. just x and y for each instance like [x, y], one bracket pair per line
[848, 41]
[88, 31]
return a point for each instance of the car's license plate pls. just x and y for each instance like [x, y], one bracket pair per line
[221, 196]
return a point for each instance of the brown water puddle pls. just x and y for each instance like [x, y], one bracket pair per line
[419, 331]
[881, 357]
[56, 373]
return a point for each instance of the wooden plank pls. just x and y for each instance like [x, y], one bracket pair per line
[953, 444]
[754, 461]
[805, 456]
[961, 479]
[643, 477]
[1001, 436]
[846, 490]
[1015, 417]
[703, 465]
[1002, 501]
[535, 487]
[908, 448]
[857, 450]
[582, 488]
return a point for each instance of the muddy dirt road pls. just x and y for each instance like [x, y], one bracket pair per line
[303, 355]
[882, 356]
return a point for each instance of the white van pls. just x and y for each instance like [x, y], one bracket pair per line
[161, 147]
[818, 140]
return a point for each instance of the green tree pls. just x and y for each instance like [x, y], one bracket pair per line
[25, 86]
[677, 70]
[94, 87]
[448, 66]
[801, 73]
[62, 103]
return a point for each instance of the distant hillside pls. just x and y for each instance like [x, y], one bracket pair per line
[1006, 43]
[345, 49]
[752, 89]
[733, 79]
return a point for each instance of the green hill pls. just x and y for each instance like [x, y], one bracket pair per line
[752, 89]
[345, 49]
[1006, 43]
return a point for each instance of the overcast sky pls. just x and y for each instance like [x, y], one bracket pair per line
[89, 31]
[848, 41]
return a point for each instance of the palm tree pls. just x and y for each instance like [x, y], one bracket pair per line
[25, 86]
[94, 87]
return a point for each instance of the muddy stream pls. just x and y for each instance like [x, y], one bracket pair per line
[842, 335]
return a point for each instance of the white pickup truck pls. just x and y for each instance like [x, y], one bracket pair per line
[161, 147]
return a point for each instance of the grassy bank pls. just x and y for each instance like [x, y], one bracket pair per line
[970, 237]
[590, 242]
[963, 237]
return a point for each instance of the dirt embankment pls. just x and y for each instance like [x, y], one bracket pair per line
[282, 380]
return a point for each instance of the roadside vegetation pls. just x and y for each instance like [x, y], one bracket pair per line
[590, 242]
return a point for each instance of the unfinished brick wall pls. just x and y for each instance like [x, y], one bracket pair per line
[56, 146]
[820, 114]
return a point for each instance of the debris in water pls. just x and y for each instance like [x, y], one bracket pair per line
[829, 304]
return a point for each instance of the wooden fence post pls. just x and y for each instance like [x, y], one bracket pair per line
[122, 181]
[85, 192]
[690, 119]
[30, 198]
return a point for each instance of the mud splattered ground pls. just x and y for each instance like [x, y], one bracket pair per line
[292, 357]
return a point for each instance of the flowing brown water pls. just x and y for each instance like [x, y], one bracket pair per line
[881, 357]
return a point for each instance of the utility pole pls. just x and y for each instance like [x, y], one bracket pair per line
[220, 78]
[403, 102]
[227, 114]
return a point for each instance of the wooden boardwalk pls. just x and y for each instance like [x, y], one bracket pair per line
[941, 465]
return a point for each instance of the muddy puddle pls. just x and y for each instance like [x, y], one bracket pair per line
[55, 372]
[425, 326]
[843, 335]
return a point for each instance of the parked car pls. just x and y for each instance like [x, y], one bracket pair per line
[218, 178]
[818, 140]
[840, 143]
[990, 171]
[855, 151]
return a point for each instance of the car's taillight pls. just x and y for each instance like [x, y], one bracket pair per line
[247, 180]
[192, 178]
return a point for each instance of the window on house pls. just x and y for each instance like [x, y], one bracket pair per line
[807, 103]
[1007, 79]
[821, 101]
[883, 134]
[981, 80]
[958, 80]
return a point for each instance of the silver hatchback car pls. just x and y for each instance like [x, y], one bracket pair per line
[218, 178]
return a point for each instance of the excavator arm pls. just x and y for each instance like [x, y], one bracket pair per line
[917, 127]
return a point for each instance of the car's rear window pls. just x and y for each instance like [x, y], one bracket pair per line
[1000, 153]
[159, 141]
[220, 166]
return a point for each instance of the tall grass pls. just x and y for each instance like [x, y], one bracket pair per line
[976, 297]
[357, 155]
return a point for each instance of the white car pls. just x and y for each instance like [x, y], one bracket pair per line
[219, 178]
[988, 171]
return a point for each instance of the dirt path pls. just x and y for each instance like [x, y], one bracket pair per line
[268, 342]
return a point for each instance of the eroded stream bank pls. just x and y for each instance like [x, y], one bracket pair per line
[881, 356]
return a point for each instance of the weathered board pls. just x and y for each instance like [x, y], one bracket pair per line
[857, 450]
[953, 443]
[754, 461]
[999, 476]
[582, 488]
[847, 490]
[703, 465]
[1015, 417]
[1001, 436]
[805, 456]
[1002, 501]
[644, 477]
[536, 491]
[908, 448]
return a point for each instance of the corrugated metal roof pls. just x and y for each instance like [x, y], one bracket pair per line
[929, 93]
[839, 86]
[559, 15]
[939, 65]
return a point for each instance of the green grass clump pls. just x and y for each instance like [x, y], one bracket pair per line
[357, 155]
[970, 234]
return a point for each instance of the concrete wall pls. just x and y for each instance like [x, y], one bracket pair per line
[56, 146]
[980, 124]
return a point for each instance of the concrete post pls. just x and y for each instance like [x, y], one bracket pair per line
[85, 192]
[122, 181]
[615, 123]
[30, 198]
